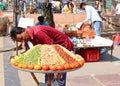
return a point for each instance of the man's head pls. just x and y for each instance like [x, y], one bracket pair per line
[41, 19]
[82, 5]
[19, 34]
[86, 26]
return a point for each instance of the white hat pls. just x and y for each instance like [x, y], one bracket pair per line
[78, 25]
[23, 22]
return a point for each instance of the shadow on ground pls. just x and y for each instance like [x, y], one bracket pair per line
[107, 56]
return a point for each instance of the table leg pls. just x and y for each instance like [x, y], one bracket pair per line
[49, 79]
[34, 77]
[111, 54]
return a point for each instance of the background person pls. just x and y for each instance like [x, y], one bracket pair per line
[93, 16]
[86, 29]
[113, 9]
[43, 35]
[56, 6]
[71, 6]
[41, 21]
[66, 8]
[118, 9]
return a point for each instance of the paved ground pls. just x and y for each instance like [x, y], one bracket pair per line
[102, 73]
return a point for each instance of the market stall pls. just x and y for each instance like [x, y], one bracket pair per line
[84, 38]
[97, 42]
[56, 60]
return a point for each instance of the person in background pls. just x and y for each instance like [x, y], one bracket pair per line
[85, 29]
[41, 21]
[118, 9]
[53, 6]
[56, 6]
[93, 16]
[43, 35]
[97, 5]
[71, 6]
[2, 7]
[66, 8]
[113, 9]
[64, 2]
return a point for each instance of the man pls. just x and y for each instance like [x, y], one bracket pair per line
[93, 16]
[85, 29]
[41, 21]
[66, 8]
[23, 22]
[118, 9]
[43, 35]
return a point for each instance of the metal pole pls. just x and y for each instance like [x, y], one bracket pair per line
[16, 23]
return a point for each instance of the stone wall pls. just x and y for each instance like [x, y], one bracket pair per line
[62, 18]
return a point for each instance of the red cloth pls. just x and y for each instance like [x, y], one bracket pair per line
[116, 39]
[48, 35]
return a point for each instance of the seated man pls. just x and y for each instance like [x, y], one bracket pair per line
[41, 21]
[86, 30]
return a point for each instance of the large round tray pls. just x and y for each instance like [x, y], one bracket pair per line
[42, 71]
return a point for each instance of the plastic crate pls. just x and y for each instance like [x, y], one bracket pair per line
[90, 55]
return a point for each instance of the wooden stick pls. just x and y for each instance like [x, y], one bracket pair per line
[16, 48]
[34, 77]
[49, 79]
